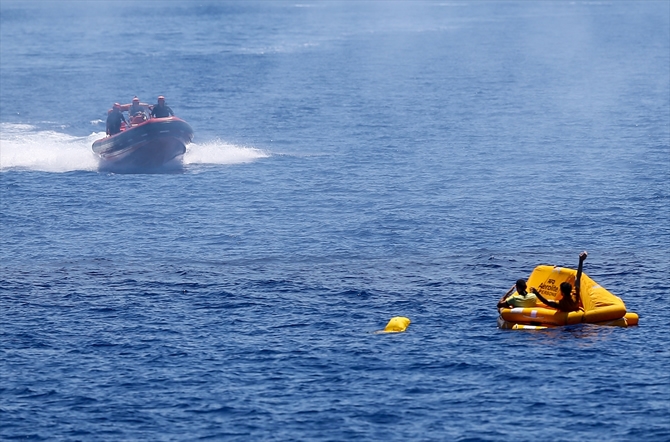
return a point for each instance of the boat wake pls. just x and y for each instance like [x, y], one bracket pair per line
[24, 147]
[220, 152]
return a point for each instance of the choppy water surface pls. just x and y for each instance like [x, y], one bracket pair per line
[352, 162]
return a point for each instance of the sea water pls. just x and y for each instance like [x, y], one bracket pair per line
[352, 162]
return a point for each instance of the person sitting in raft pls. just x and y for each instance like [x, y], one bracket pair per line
[567, 303]
[160, 109]
[114, 119]
[521, 298]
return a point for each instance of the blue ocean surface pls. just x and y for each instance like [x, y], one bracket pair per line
[352, 162]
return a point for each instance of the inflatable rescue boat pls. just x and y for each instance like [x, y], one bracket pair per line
[146, 144]
[599, 306]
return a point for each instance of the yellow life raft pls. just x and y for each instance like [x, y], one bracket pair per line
[599, 306]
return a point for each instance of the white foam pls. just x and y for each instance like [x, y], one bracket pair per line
[220, 152]
[24, 147]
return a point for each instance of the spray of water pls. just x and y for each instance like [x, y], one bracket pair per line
[25, 147]
[220, 152]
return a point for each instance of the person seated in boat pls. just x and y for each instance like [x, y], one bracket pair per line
[160, 109]
[521, 298]
[138, 118]
[567, 303]
[114, 119]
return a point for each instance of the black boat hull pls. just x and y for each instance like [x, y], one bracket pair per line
[157, 143]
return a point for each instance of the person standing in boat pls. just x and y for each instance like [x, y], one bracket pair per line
[136, 107]
[114, 119]
[567, 303]
[160, 109]
[521, 298]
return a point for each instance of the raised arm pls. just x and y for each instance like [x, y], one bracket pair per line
[553, 304]
[578, 278]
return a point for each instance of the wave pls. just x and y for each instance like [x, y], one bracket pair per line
[25, 147]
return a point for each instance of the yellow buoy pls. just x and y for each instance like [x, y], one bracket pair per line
[397, 324]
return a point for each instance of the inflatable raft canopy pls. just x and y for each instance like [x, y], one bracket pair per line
[599, 306]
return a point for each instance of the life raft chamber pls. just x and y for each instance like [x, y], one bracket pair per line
[598, 305]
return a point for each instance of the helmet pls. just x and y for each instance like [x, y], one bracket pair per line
[136, 100]
[160, 97]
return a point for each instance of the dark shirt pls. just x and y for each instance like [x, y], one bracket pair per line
[161, 111]
[114, 119]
